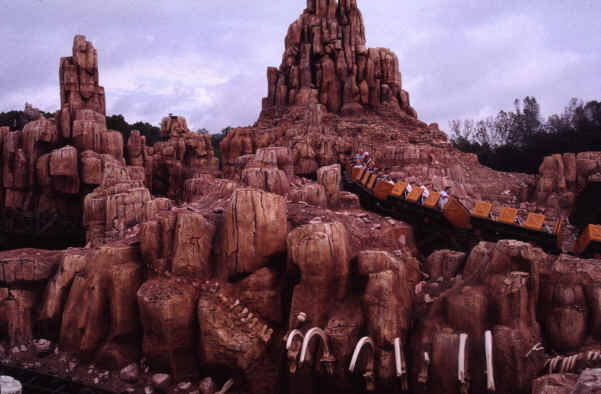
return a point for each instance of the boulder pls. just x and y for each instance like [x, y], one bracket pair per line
[105, 328]
[331, 179]
[269, 179]
[555, 384]
[311, 193]
[244, 347]
[167, 313]
[444, 263]
[254, 231]
[320, 253]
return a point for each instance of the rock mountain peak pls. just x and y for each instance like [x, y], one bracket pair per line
[326, 62]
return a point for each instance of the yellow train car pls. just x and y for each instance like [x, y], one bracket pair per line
[399, 189]
[535, 221]
[457, 214]
[590, 236]
[482, 210]
[508, 215]
[432, 200]
[383, 189]
[366, 175]
[415, 194]
[357, 173]
[372, 181]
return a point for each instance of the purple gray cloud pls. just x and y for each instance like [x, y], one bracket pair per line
[207, 60]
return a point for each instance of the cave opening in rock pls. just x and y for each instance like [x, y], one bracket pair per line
[51, 231]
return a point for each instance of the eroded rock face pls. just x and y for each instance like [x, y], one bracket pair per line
[105, 327]
[180, 156]
[179, 243]
[51, 164]
[254, 231]
[562, 177]
[79, 79]
[388, 305]
[22, 277]
[320, 252]
[245, 347]
[500, 292]
[115, 206]
[167, 314]
[326, 61]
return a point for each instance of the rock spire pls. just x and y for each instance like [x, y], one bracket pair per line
[326, 61]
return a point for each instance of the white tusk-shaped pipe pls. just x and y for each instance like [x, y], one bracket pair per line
[461, 358]
[291, 336]
[362, 342]
[310, 334]
[399, 358]
[490, 373]
[226, 386]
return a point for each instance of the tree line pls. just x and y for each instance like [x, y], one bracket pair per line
[519, 140]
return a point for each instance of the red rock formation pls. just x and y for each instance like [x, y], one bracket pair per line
[167, 313]
[115, 206]
[49, 166]
[106, 326]
[254, 230]
[181, 155]
[562, 177]
[325, 61]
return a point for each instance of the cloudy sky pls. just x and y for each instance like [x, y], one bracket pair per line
[207, 60]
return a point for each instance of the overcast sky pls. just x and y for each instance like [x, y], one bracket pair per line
[207, 59]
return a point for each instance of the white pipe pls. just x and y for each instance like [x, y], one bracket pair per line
[362, 342]
[399, 358]
[461, 358]
[291, 336]
[226, 386]
[310, 334]
[490, 374]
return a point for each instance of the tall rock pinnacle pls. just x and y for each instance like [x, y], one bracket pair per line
[326, 62]
[79, 78]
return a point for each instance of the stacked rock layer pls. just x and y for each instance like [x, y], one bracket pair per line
[326, 62]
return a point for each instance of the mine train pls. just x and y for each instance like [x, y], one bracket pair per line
[452, 225]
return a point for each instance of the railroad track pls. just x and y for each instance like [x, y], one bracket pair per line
[38, 383]
[454, 226]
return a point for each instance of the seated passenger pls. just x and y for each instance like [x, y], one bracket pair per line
[444, 198]
[371, 164]
[425, 194]
[407, 191]
[365, 158]
[388, 179]
[517, 220]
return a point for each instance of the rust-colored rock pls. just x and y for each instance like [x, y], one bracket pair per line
[253, 232]
[269, 179]
[182, 155]
[326, 61]
[167, 313]
[331, 179]
[115, 206]
[245, 348]
[320, 252]
[180, 243]
[79, 79]
[105, 327]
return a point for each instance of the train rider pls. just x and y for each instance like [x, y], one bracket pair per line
[408, 191]
[547, 229]
[387, 178]
[365, 158]
[444, 198]
[357, 161]
[425, 194]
